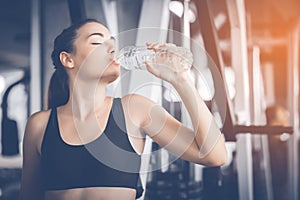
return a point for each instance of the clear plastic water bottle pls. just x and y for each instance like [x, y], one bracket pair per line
[134, 57]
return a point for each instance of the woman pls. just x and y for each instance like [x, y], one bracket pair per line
[59, 160]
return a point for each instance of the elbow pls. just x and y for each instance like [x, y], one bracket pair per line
[221, 158]
[218, 156]
[216, 160]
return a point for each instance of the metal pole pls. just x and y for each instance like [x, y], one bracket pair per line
[293, 100]
[35, 97]
[257, 118]
[236, 11]
[244, 166]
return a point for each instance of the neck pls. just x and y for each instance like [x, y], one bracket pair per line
[86, 97]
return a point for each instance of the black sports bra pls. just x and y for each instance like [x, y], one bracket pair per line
[108, 161]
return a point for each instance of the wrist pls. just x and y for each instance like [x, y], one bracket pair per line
[182, 78]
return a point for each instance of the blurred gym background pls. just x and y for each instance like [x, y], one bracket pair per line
[252, 88]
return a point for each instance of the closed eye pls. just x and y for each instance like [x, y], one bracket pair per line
[96, 43]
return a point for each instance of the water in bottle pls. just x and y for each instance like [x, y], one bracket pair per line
[134, 57]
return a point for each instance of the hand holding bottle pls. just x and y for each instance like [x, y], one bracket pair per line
[171, 62]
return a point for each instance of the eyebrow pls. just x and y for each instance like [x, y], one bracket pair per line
[100, 34]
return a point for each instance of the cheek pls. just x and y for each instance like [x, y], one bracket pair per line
[99, 57]
[93, 58]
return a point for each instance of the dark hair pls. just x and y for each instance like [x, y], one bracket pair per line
[58, 92]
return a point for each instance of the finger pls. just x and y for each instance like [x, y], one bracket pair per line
[161, 46]
[170, 45]
[151, 69]
[152, 45]
[149, 44]
[158, 46]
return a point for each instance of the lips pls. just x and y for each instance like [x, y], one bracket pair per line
[114, 62]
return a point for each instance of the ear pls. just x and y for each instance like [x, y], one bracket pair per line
[66, 59]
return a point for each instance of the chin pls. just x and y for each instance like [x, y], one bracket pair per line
[111, 77]
[114, 78]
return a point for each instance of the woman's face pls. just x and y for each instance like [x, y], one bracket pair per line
[94, 53]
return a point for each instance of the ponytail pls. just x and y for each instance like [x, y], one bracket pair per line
[58, 92]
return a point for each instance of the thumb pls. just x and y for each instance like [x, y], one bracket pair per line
[151, 69]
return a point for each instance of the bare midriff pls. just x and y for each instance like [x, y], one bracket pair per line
[99, 193]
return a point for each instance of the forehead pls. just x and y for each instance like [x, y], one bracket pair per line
[92, 27]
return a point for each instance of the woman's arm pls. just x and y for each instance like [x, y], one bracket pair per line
[206, 133]
[31, 187]
[204, 144]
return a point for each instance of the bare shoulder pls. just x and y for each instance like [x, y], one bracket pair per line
[137, 100]
[38, 121]
[35, 127]
[138, 107]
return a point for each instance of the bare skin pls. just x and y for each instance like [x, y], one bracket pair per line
[87, 83]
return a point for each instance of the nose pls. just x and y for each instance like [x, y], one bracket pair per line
[111, 47]
[112, 50]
